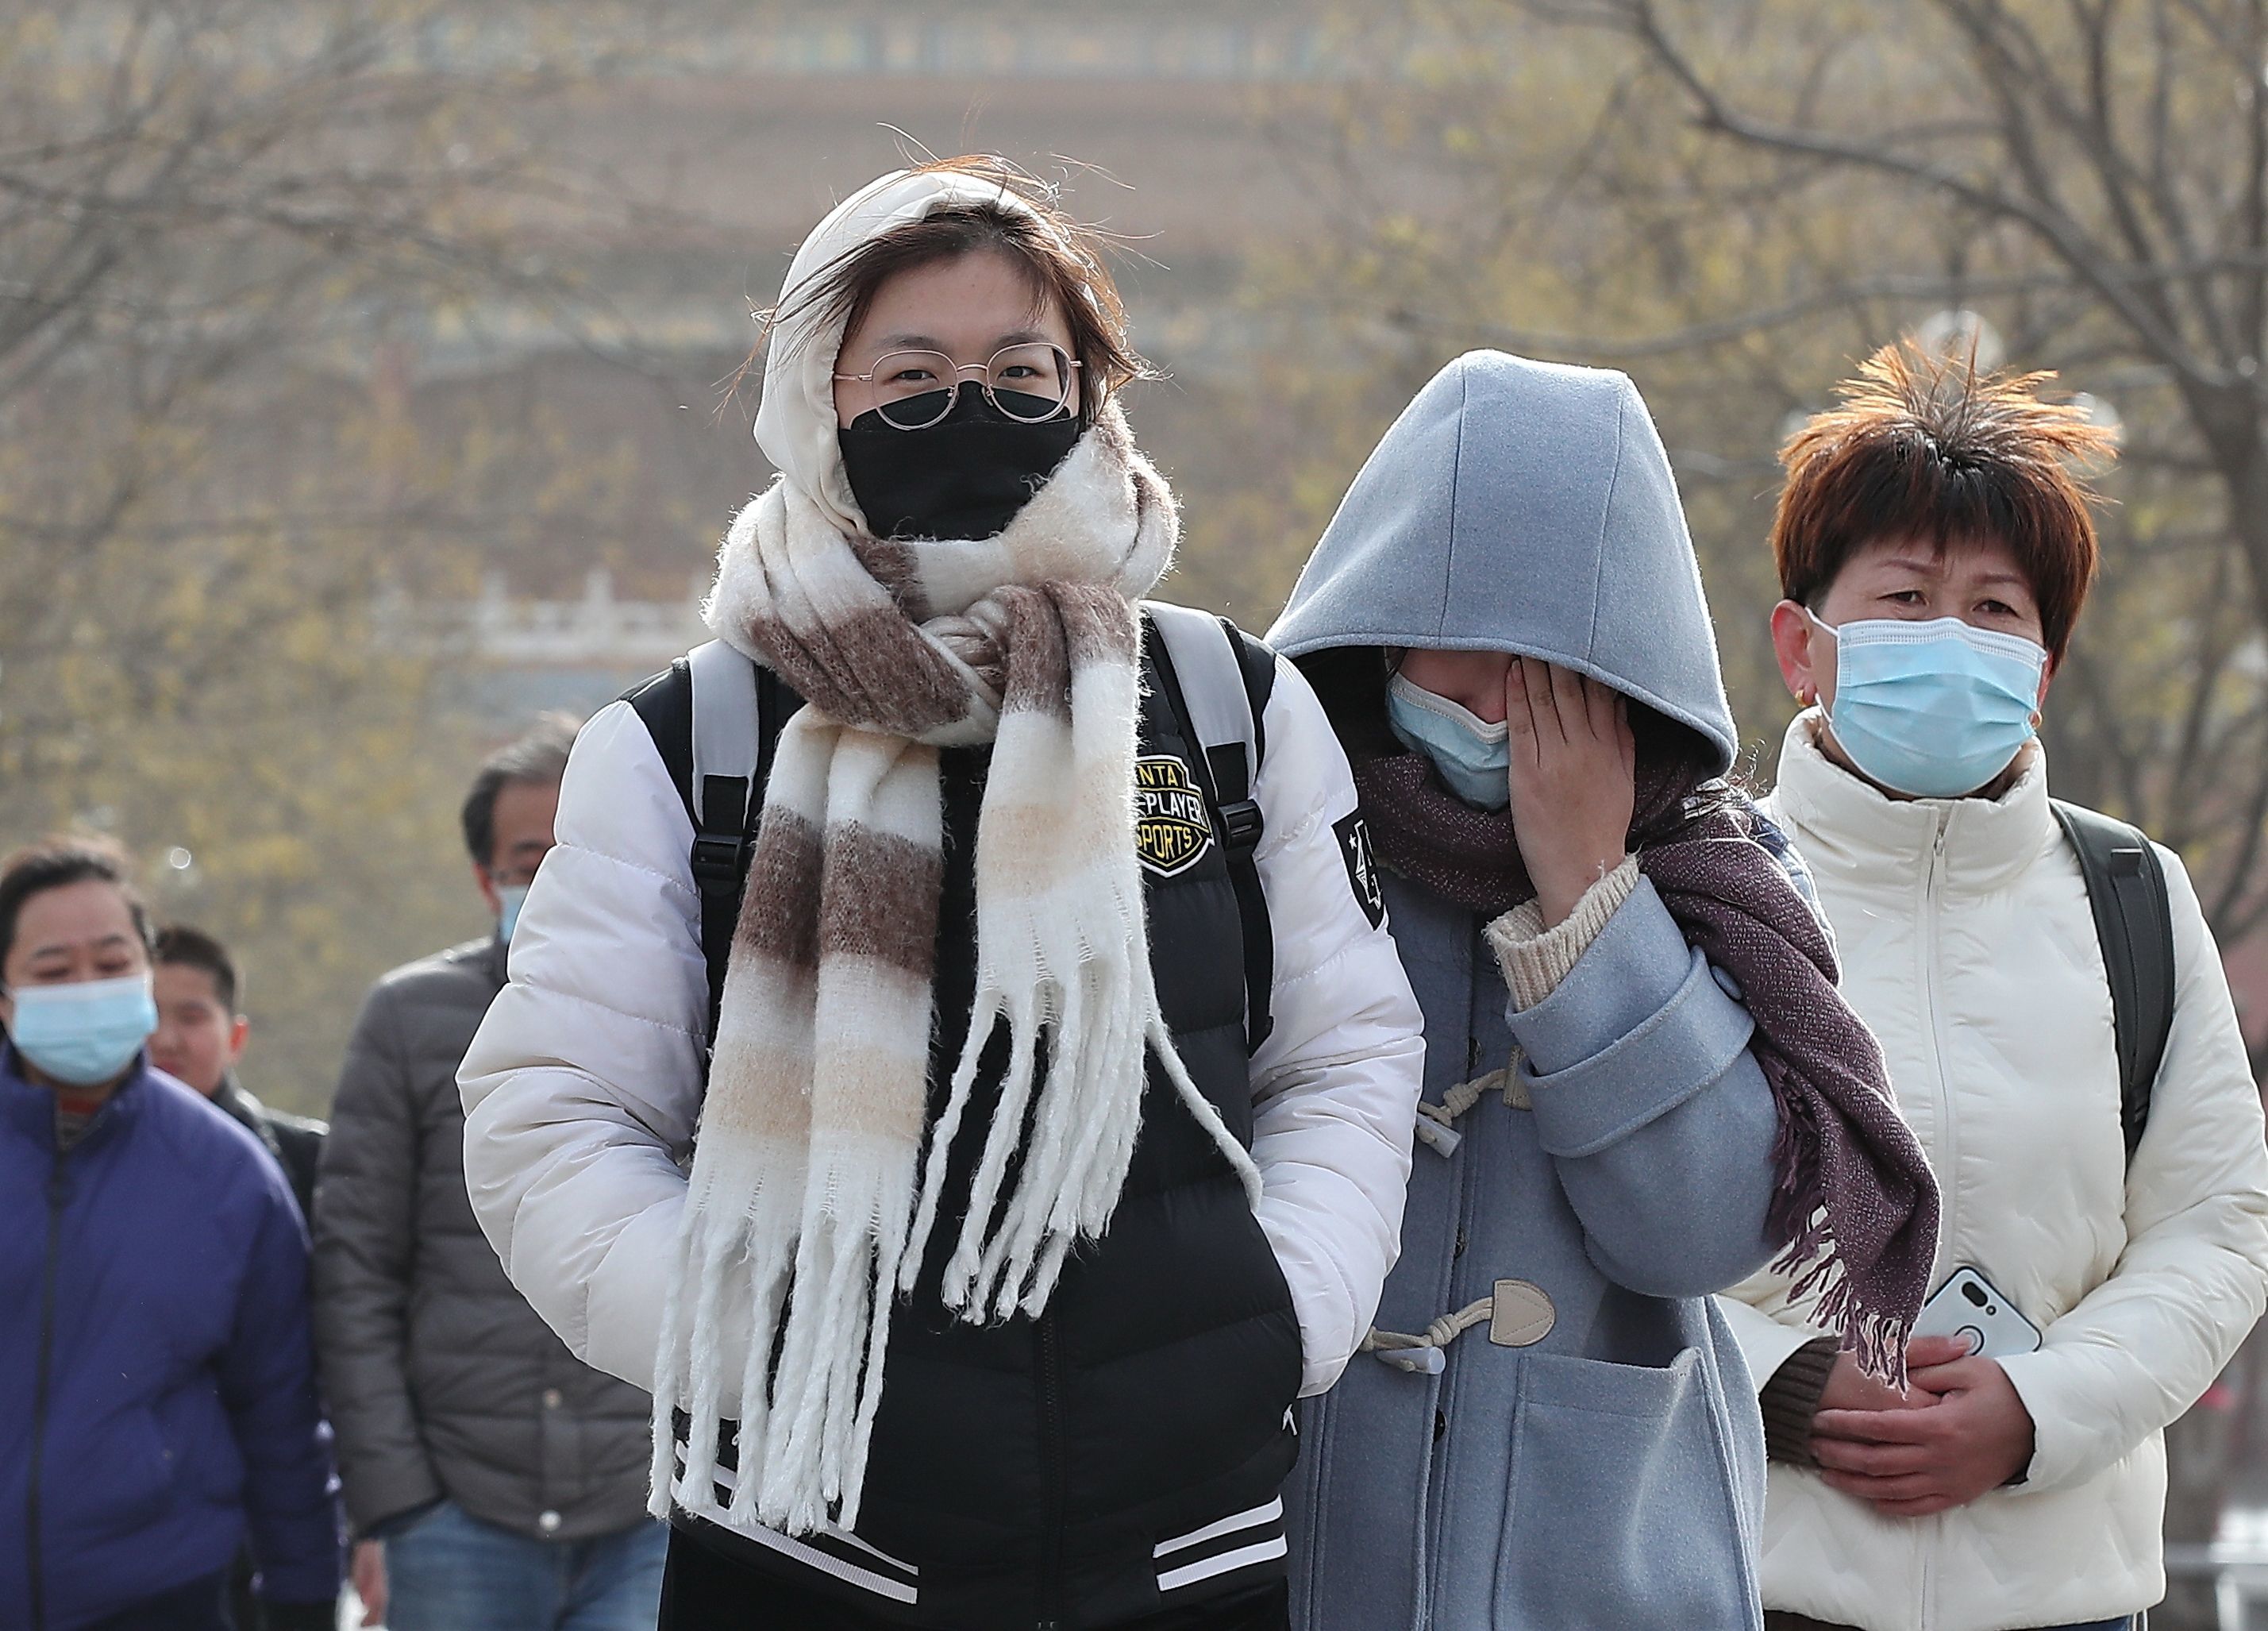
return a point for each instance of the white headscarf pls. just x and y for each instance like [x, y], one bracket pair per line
[796, 421]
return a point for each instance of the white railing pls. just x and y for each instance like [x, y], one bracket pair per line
[595, 631]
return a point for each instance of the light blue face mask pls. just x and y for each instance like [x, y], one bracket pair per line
[510, 897]
[85, 1033]
[1473, 757]
[1934, 710]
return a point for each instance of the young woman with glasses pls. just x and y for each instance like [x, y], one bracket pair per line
[982, 1292]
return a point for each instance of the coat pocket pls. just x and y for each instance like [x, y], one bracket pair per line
[1621, 1510]
[120, 1483]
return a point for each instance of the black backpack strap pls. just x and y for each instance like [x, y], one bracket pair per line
[728, 746]
[715, 718]
[2134, 920]
[663, 705]
[1217, 681]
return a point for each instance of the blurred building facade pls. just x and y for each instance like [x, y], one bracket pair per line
[733, 129]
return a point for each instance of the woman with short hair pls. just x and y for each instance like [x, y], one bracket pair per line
[2099, 1263]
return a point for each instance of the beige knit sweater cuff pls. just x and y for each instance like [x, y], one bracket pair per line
[1536, 959]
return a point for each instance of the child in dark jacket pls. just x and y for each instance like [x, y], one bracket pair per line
[155, 1266]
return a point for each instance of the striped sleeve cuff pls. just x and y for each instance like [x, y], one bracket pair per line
[1536, 959]
[1790, 1400]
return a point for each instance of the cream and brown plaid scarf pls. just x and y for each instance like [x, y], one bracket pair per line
[810, 1200]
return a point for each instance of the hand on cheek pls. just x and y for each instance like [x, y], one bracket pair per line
[1574, 780]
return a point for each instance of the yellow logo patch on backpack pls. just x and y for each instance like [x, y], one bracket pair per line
[1172, 829]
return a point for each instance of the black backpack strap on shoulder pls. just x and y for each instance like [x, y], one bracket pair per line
[715, 718]
[731, 758]
[1217, 682]
[2134, 920]
[663, 705]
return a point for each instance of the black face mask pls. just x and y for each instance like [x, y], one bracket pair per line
[965, 476]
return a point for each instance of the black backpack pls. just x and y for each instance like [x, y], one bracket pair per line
[715, 718]
[2134, 920]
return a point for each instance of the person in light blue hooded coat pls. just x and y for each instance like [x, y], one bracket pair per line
[1553, 1427]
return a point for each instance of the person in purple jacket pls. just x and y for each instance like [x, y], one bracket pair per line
[154, 1342]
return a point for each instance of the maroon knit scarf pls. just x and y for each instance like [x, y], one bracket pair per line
[1854, 1202]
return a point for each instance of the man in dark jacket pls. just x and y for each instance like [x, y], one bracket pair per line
[506, 1480]
[154, 1351]
[202, 1031]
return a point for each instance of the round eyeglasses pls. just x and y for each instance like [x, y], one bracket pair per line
[915, 389]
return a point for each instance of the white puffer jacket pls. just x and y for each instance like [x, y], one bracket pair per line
[1968, 945]
[583, 1087]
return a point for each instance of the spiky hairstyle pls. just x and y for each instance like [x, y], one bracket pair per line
[1923, 446]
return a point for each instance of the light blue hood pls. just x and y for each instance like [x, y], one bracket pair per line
[1528, 507]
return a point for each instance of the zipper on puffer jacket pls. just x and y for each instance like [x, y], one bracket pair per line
[1949, 1137]
[35, 1579]
[1052, 1472]
[1930, 1535]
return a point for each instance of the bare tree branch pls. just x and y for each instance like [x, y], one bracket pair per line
[2054, 227]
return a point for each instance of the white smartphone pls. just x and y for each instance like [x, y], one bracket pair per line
[1969, 1306]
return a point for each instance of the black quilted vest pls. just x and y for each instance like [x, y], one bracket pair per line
[1023, 1473]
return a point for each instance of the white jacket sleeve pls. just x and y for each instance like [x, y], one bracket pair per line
[582, 1088]
[1335, 1084]
[2139, 1349]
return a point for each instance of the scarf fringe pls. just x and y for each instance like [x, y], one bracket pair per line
[710, 1248]
[1081, 1142]
[832, 1390]
[818, 1282]
[1812, 1260]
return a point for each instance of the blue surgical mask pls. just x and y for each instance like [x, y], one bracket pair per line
[86, 1033]
[509, 898]
[1472, 757]
[1934, 710]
